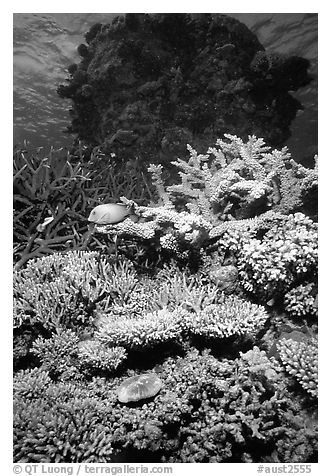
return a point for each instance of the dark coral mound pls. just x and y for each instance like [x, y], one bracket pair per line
[149, 84]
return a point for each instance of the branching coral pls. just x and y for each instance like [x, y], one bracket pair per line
[297, 187]
[30, 383]
[61, 187]
[222, 184]
[64, 289]
[286, 254]
[248, 226]
[163, 226]
[95, 356]
[50, 186]
[235, 186]
[207, 411]
[65, 425]
[175, 288]
[302, 300]
[236, 180]
[57, 289]
[58, 354]
[300, 361]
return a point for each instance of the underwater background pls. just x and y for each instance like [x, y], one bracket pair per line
[45, 44]
[165, 248]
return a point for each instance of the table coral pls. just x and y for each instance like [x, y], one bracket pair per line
[141, 333]
[230, 316]
[64, 289]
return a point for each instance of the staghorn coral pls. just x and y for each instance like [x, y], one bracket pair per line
[51, 186]
[62, 186]
[302, 300]
[300, 361]
[206, 411]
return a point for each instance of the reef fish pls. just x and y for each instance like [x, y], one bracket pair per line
[111, 213]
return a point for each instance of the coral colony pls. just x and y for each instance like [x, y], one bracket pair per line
[188, 334]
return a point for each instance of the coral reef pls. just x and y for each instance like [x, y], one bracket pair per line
[302, 300]
[206, 411]
[300, 361]
[65, 289]
[235, 186]
[58, 354]
[43, 188]
[60, 289]
[59, 188]
[230, 316]
[238, 180]
[218, 266]
[285, 256]
[151, 83]
[97, 358]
